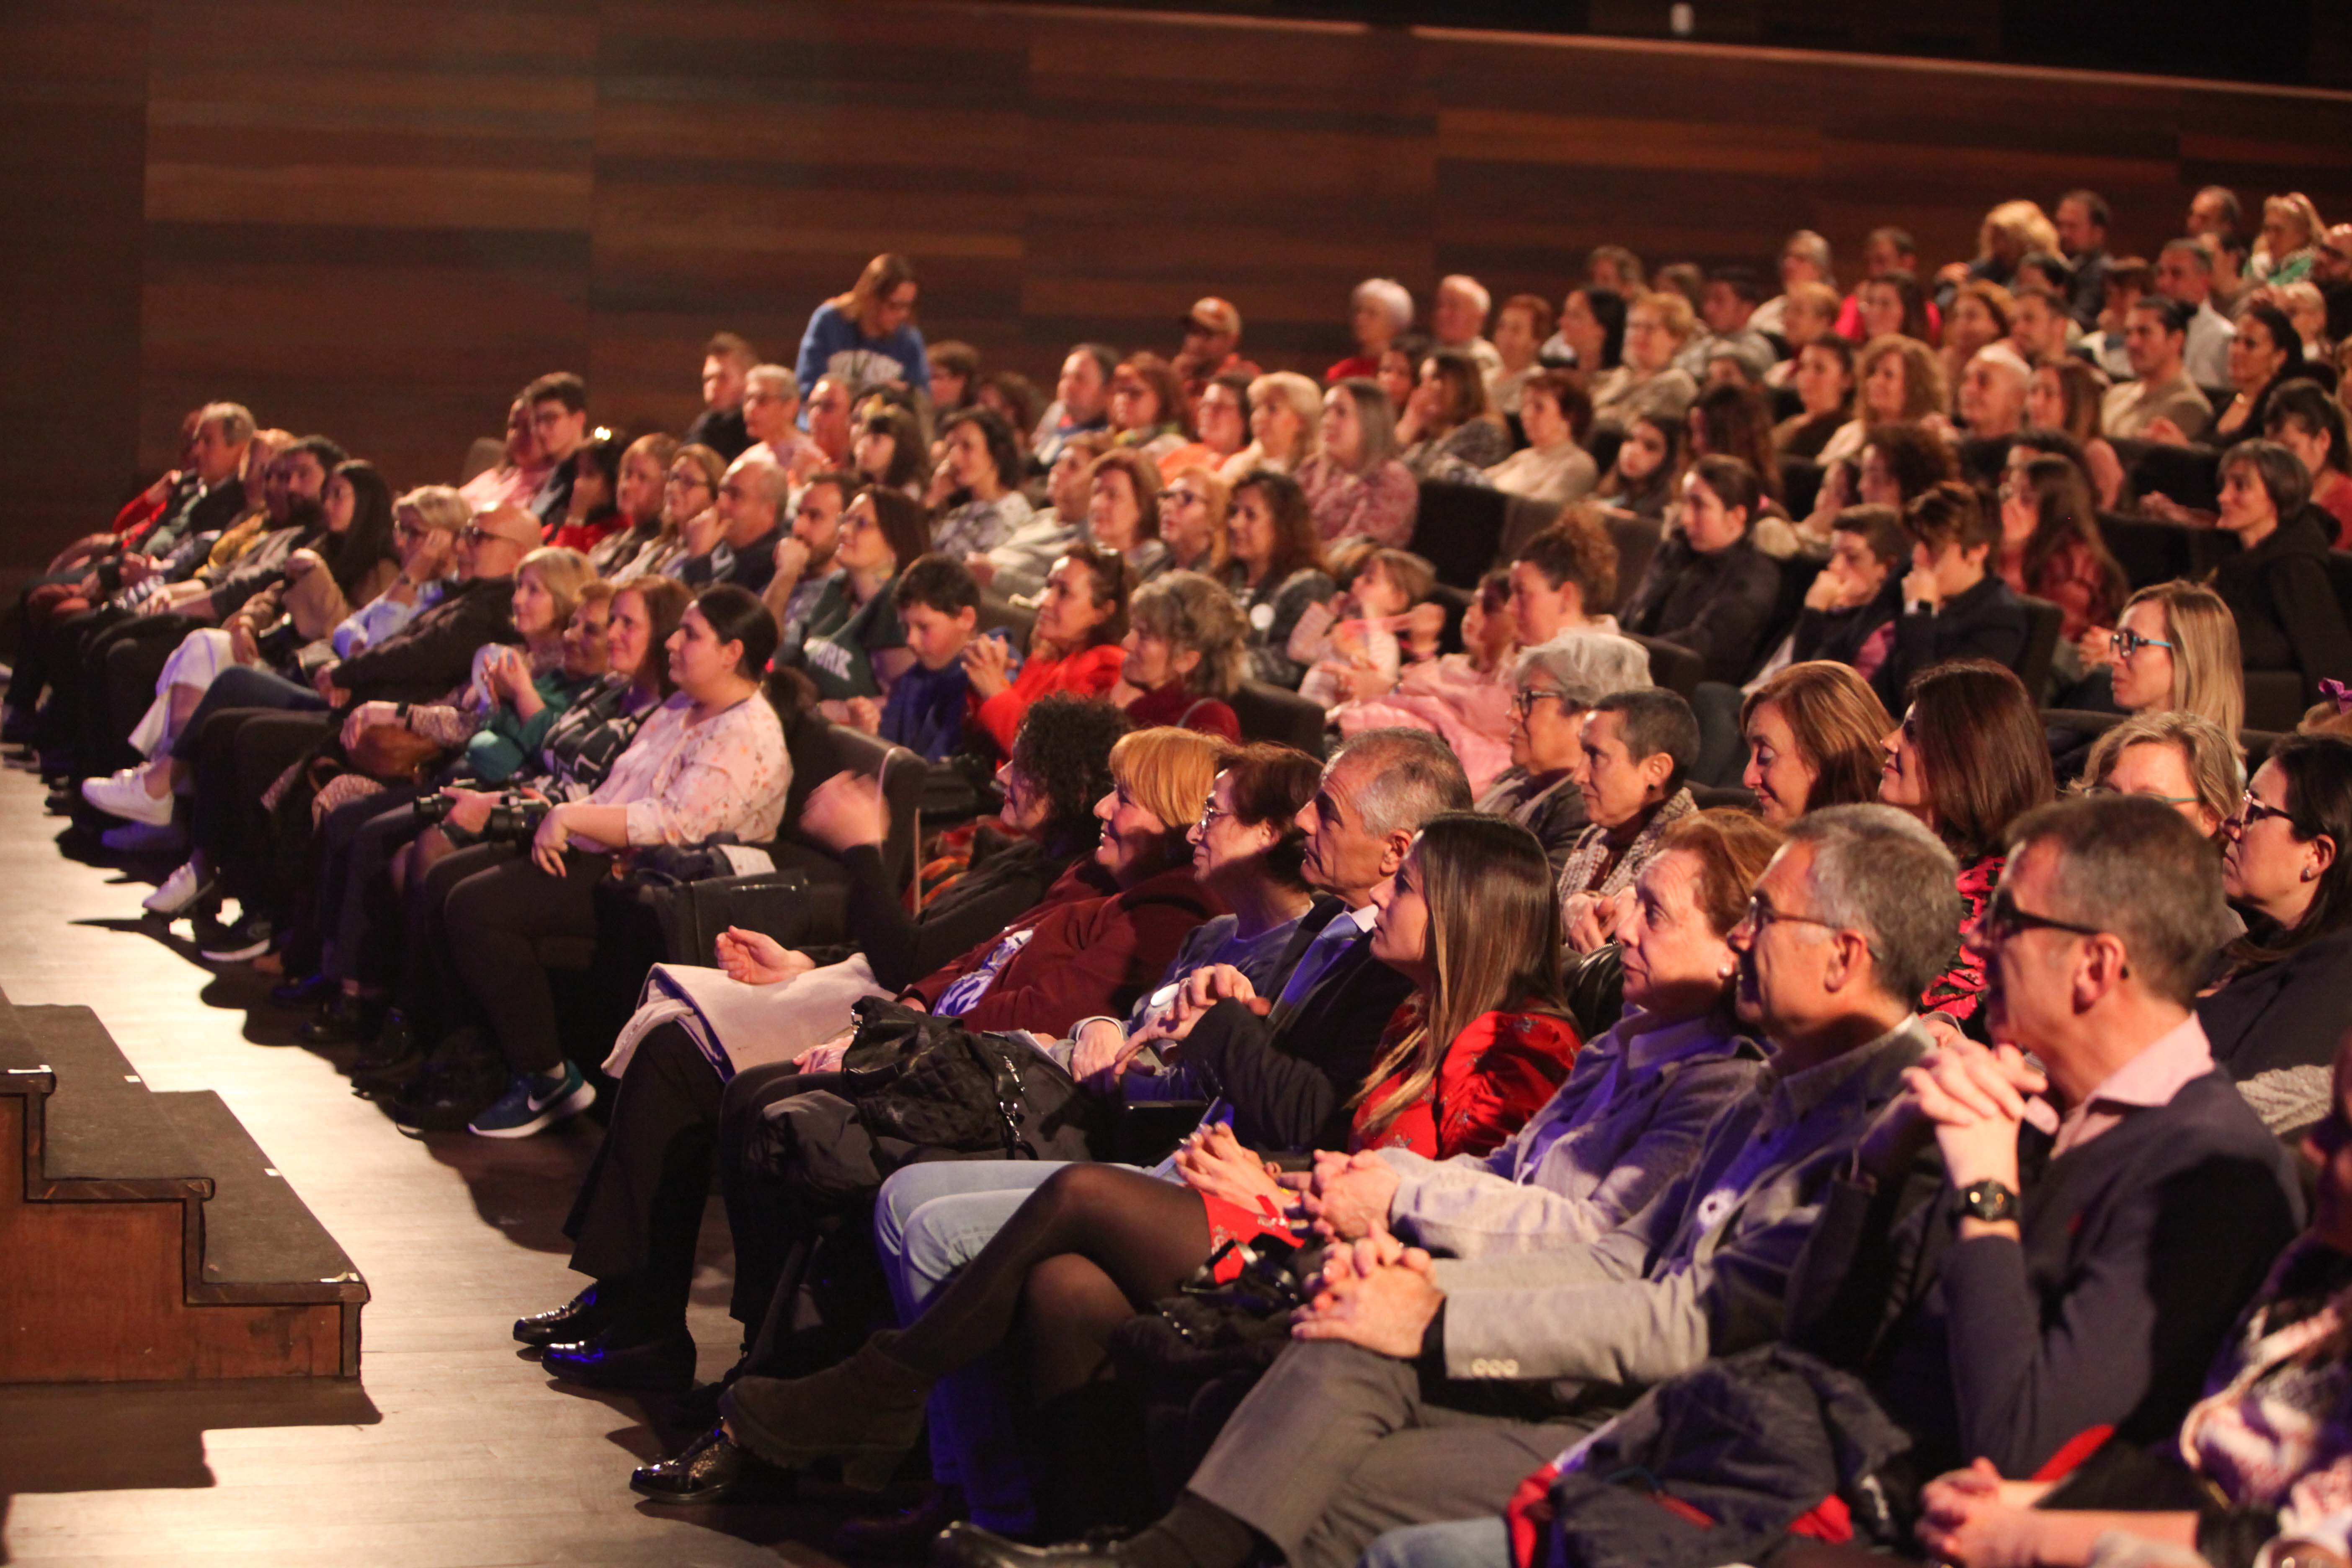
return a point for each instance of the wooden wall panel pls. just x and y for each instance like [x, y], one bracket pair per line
[378, 219]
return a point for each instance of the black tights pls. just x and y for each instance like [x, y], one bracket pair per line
[1091, 1248]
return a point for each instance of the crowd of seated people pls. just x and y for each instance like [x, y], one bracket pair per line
[1829, 923]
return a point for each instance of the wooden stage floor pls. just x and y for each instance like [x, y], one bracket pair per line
[449, 1449]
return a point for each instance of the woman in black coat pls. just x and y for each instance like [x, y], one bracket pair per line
[1708, 588]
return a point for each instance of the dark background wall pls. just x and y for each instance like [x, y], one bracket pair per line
[377, 218]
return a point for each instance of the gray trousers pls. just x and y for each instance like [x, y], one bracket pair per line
[1337, 1445]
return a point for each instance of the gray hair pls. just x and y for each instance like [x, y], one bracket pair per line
[1389, 295]
[1813, 248]
[2133, 867]
[765, 477]
[2194, 249]
[236, 421]
[1586, 666]
[777, 378]
[1881, 872]
[1188, 610]
[1412, 775]
[1469, 287]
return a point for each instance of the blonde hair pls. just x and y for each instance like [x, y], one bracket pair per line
[1674, 313]
[2025, 221]
[1218, 496]
[2208, 673]
[2216, 769]
[563, 573]
[437, 507]
[1169, 771]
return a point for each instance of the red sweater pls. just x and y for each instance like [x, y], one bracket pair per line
[1173, 705]
[1090, 672]
[1084, 957]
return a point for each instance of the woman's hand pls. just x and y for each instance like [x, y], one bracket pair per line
[1097, 1050]
[302, 563]
[1213, 1163]
[2094, 650]
[1588, 920]
[243, 646]
[367, 716]
[987, 665]
[755, 958]
[1963, 1518]
[845, 811]
[827, 1058]
[2166, 431]
[548, 844]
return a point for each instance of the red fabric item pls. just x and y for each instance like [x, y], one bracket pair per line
[1688, 1512]
[1828, 1520]
[1496, 1074]
[1087, 957]
[1230, 1221]
[1172, 704]
[1362, 366]
[2072, 1452]
[585, 536]
[1090, 673]
[1528, 1512]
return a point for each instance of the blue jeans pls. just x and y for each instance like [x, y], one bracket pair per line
[1460, 1543]
[929, 1220]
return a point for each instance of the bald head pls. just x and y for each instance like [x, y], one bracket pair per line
[495, 542]
[751, 498]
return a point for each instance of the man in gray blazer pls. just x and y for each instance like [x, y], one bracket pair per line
[1422, 1391]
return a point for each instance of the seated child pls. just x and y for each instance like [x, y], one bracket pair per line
[1359, 655]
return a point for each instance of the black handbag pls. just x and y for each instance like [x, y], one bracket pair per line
[934, 1083]
[692, 902]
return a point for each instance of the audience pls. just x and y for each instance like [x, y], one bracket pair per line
[1449, 429]
[1814, 734]
[1657, 326]
[1356, 487]
[1638, 744]
[2184, 760]
[1554, 686]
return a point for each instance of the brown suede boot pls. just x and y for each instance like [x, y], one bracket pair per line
[866, 1413]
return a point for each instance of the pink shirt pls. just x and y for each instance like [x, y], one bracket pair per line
[2175, 1059]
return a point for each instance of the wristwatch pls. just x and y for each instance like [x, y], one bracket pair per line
[1988, 1201]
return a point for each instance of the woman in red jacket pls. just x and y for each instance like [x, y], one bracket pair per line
[1471, 919]
[1074, 647]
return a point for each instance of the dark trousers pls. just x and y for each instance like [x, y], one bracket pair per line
[1338, 1444]
[769, 1225]
[494, 921]
[640, 1209]
[356, 915]
[244, 686]
[430, 992]
[239, 754]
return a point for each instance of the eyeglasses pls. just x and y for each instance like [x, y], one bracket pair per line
[1762, 915]
[688, 481]
[410, 530]
[1210, 811]
[2250, 811]
[2003, 920]
[1525, 701]
[2127, 642]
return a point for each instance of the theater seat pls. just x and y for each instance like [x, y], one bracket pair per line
[999, 614]
[1636, 539]
[2339, 574]
[2043, 621]
[1800, 484]
[2274, 700]
[1672, 666]
[2149, 551]
[2188, 474]
[1271, 714]
[1459, 529]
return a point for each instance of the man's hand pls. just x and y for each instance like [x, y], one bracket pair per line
[2166, 431]
[756, 958]
[137, 569]
[302, 563]
[1378, 1294]
[1976, 1098]
[1965, 1519]
[471, 808]
[242, 644]
[1348, 1197]
[864, 713]
[792, 559]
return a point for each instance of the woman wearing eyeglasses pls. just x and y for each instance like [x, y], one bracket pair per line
[2287, 1003]
[1554, 685]
[2174, 649]
[2183, 760]
[688, 492]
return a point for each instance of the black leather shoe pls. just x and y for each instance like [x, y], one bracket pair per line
[904, 1534]
[966, 1545]
[583, 1317]
[345, 1021]
[666, 1365]
[711, 1469]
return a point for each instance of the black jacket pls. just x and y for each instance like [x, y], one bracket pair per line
[1985, 622]
[722, 430]
[2287, 613]
[1838, 635]
[2290, 1014]
[753, 567]
[1288, 1076]
[1719, 606]
[2139, 1248]
[433, 653]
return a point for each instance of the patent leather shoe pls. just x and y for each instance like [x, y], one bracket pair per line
[709, 1470]
[663, 1365]
[966, 1545]
[583, 1317]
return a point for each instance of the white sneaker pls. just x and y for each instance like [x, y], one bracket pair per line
[145, 839]
[180, 889]
[124, 794]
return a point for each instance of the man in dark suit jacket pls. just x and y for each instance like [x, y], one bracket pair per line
[1954, 606]
[1288, 1064]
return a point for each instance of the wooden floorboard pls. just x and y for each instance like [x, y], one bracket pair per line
[449, 1451]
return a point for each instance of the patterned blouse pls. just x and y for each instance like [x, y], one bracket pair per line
[580, 747]
[1379, 506]
[1957, 992]
[686, 784]
[978, 527]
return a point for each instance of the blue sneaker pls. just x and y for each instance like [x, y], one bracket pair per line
[530, 1104]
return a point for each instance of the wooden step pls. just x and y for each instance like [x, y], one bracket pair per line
[146, 1236]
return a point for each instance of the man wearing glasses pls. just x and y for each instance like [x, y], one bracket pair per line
[1422, 1391]
[2083, 1230]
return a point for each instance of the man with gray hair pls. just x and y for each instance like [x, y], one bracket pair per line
[2083, 1232]
[750, 508]
[1804, 259]
[2184, 271]
[1457, 320]
[1290, 1063]
[1421, 1391]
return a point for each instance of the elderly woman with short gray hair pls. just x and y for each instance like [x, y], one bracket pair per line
[1187, 651]
[1553, 686]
